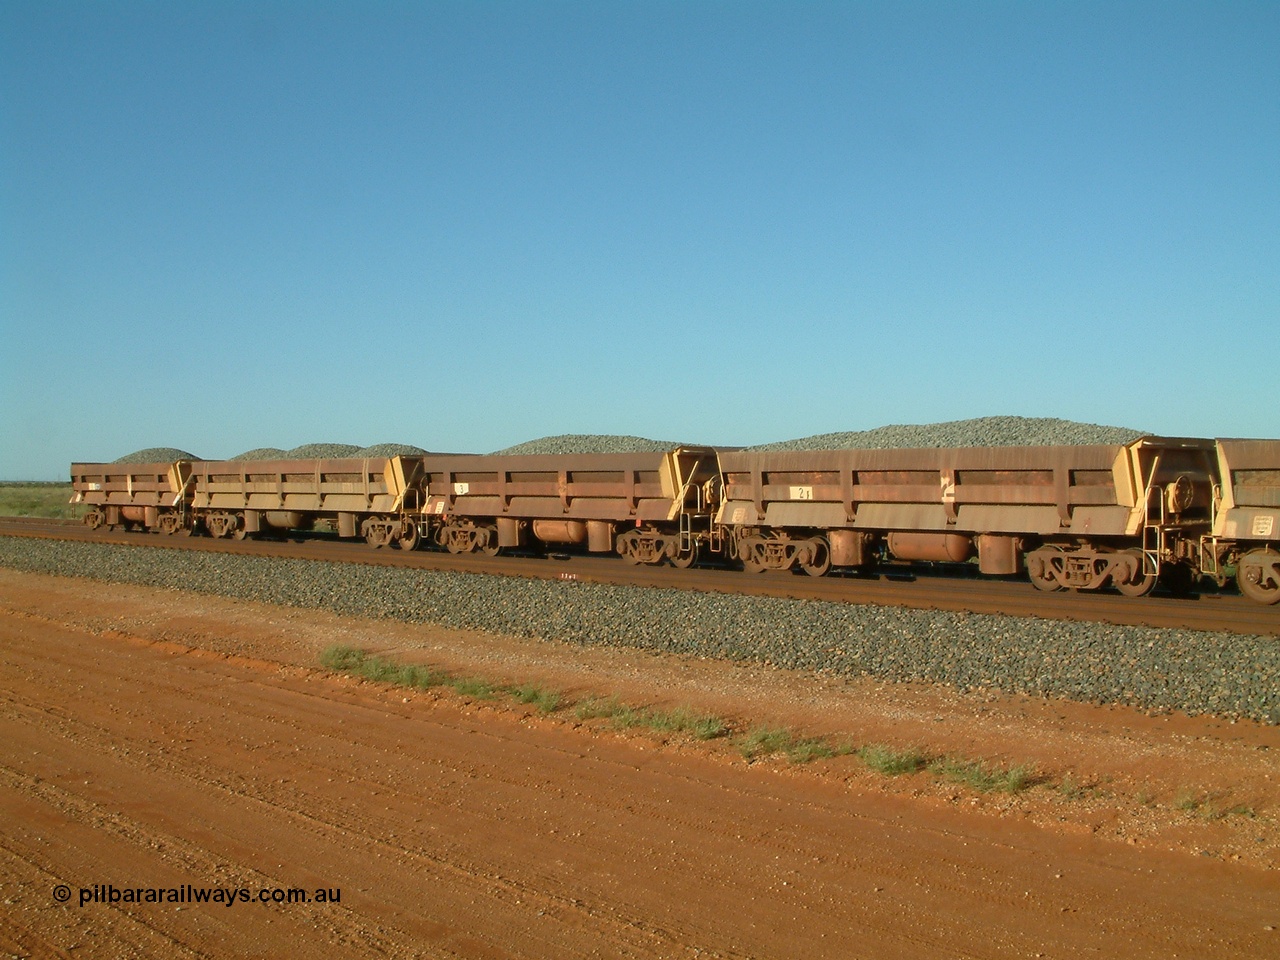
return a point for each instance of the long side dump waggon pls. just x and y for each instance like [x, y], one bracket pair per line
[375, 498]
[1071, 516]
[146, 496]
[646, 506]
[1246, 527]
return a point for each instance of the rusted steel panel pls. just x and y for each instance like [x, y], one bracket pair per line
[348, 485]
[1250, 487]
[644, 486]
[1042, 490]
[1250, 471]
[131, 484]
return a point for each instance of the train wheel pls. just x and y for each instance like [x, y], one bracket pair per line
[490, 546]
[1040, 565]
[626, 547]
[686, 559]
[410, 536]
[1258, 575]
[819, 560]
[1143, 584]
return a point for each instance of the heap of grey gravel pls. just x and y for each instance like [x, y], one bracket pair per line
[323, 451]
[1223, 674]
[156, 455]
[262, 453]
[331, 451]
[589, 443]
[391, 450]
[979, 432]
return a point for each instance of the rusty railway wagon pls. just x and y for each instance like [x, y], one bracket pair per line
[1126, 516]
[647, 507]
[135, 496]
[376, 498]
[1246, 525]
[1078, 517]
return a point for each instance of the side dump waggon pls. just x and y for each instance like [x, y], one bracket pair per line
[1077, 517]
[376, 498]
[141, 496]
[645, 506]
[1246, 527]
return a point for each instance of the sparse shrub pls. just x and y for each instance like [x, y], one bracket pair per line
[894, 763]
[546, 701]
[763, 741]
[983, 778]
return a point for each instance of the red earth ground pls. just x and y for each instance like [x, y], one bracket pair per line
[153, 739]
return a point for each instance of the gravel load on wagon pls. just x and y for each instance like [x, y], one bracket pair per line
[156, 455]
[979, 432]
[588, 443]
[326, 451]
[1224, 674]
[261, 453]
[323, 451]
[391, 450]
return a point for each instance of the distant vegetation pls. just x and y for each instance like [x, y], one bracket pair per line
[36, 498]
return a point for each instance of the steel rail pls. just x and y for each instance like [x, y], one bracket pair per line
[888, 586]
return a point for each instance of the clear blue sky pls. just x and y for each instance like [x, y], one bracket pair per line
[464, 225]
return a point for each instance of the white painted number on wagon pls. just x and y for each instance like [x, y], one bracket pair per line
[460, 489]
[802, 493]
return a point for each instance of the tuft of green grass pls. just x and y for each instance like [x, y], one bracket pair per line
[815, 748]
[476, 687]
[1072, 789]
[343, 658]
[680, 720]
[546, 701]
[597, 707]
[762, 741]
[983, 778]
[1203, 806]
[700, 726]
[893, 763]
[360, 663]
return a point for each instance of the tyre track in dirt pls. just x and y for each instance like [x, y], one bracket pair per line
[470, 829]
[359, 824]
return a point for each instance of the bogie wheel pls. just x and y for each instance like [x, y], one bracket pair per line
[686, 559]
[626, 548]
[410, 536]
[1143, 584]
[490, 547]
[819, 561]
[1258, 575]
[1040, 570]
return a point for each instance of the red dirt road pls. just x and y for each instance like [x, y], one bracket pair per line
[155, 739]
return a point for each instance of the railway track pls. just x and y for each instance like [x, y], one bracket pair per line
[888, 587]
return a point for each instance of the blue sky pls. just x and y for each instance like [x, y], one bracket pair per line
[464, 225]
